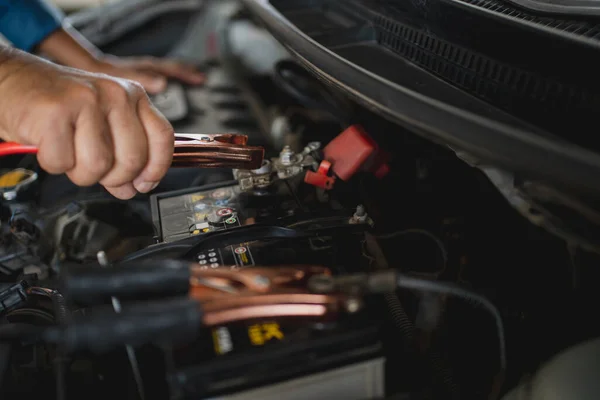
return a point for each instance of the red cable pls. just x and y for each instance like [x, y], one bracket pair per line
[11, 149]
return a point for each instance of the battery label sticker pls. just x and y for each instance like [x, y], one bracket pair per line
[260, 334]
[222, 340]
[221, 194]
[242, 255]
[240, 250]
[223, 212]
[200, 206]
[197, 197]
[200, 217]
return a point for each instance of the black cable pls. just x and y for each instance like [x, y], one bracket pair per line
[5, 351]
[293, 194]
[407, 282]
[404, 324]
[155, 250]
[425, 233]
[61, 317]
[61, 310]
[19, 332]
[21, 314]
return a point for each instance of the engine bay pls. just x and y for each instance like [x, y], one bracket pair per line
[360, 261]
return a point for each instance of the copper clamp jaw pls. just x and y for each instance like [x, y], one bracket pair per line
[254, 293]
[226, 150]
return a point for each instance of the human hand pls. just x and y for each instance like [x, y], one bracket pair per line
[67, 47]
[152, 73]
[94, 128]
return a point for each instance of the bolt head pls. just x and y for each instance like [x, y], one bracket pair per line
[353, 305]
[9, 196]
[312, 146]
[286, 156]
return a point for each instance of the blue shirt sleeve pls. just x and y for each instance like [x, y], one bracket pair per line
[26, 23]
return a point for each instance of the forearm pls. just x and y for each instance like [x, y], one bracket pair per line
[66, 46]
[7, 65]
[11, 60]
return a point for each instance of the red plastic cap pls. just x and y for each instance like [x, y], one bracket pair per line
[354, 150]
[349, 151]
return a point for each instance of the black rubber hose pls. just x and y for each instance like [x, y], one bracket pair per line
[175, 319]
[89, 284]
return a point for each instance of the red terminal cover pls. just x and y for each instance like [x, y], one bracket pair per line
[320, 178]
[354, 150]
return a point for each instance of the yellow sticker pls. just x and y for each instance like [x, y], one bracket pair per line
[197, 197]
[200, 217]
[259, 334]
[13, 178]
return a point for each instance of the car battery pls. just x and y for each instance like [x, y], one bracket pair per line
[263, 359]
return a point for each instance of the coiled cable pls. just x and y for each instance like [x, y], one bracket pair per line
[423, 285]
[407, 330]
[404, 324]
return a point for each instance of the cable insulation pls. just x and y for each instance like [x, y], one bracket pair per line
[11, 149]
